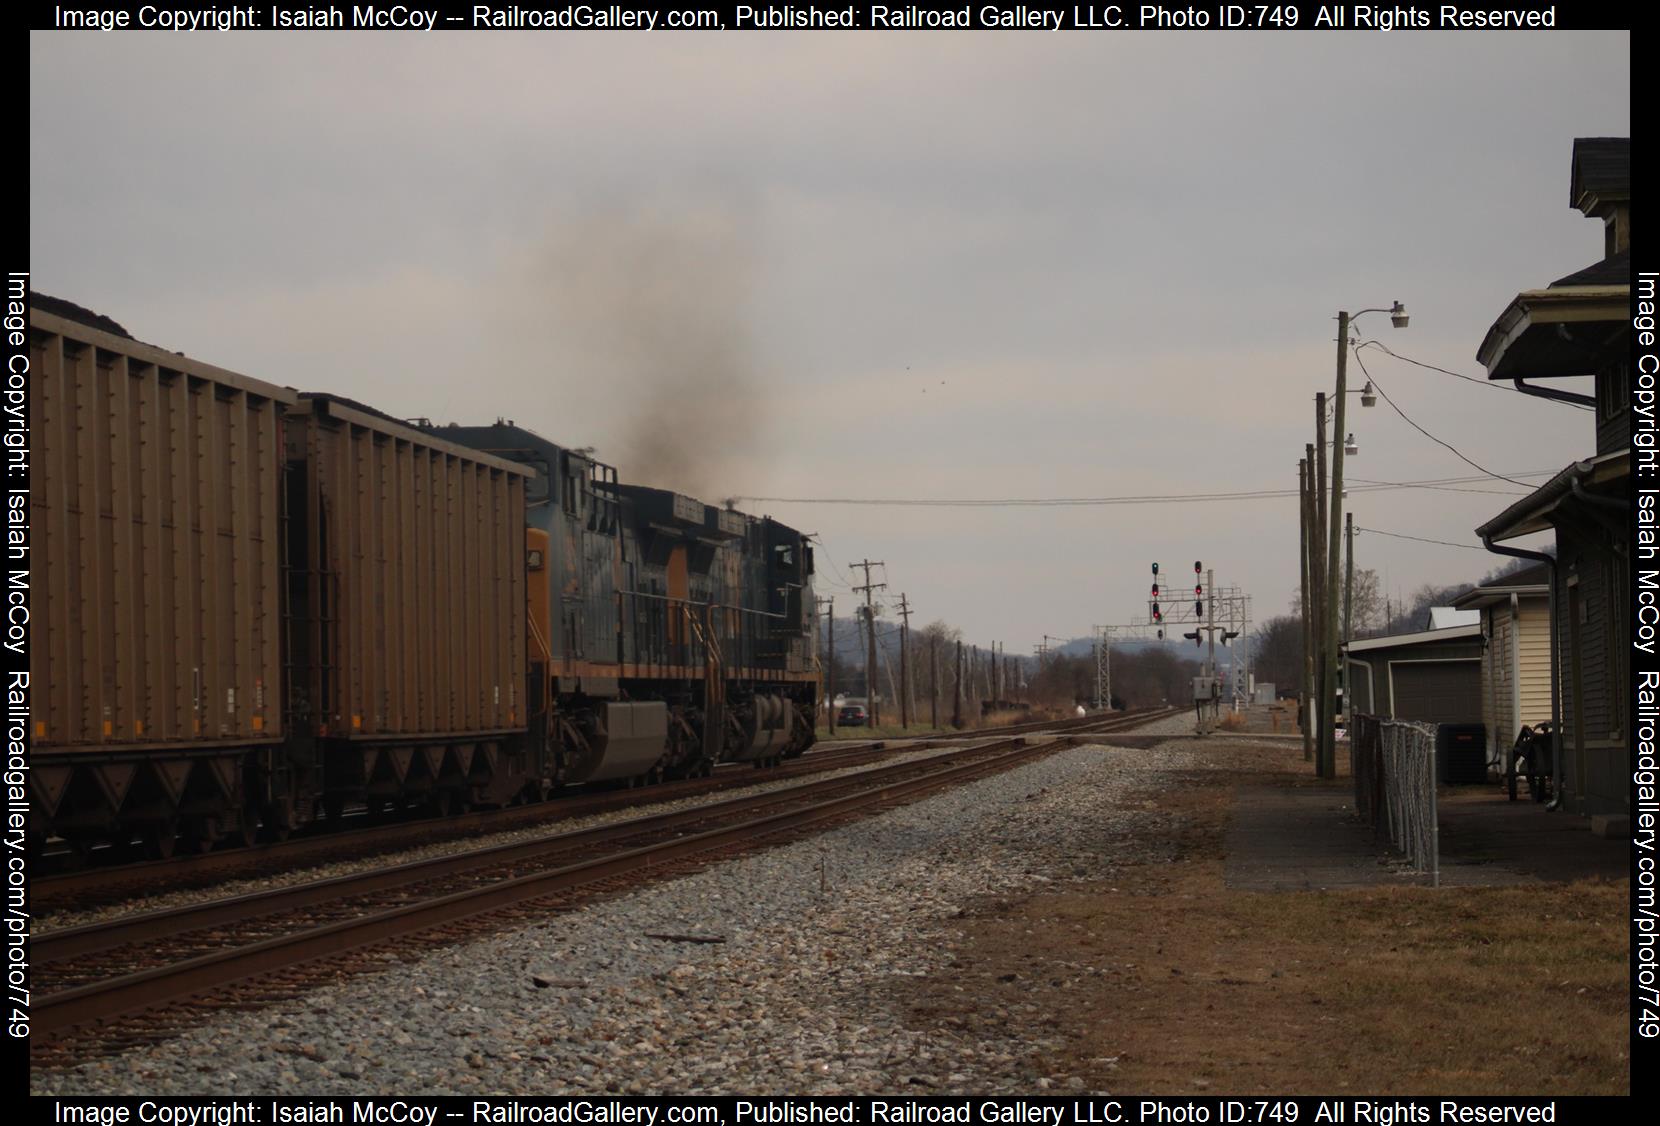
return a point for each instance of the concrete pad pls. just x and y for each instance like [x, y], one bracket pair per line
[1307, 837]
[1611, 826]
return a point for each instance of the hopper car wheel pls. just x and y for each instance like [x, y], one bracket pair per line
[161, 841]
[246, 833]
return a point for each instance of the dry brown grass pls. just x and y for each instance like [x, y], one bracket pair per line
[1384, 990]
[1232, 721]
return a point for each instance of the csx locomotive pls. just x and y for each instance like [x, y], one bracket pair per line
[254, 607]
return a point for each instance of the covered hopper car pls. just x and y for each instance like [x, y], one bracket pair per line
[254, 607]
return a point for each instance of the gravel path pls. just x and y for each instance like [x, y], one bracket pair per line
[793, 1000]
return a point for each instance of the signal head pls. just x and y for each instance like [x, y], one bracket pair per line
[1199, 609]
[1197, 566]
[1155, 569]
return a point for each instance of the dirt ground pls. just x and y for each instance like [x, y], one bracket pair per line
[1163, 980]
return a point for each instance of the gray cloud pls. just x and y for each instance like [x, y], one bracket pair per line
[1121, 255]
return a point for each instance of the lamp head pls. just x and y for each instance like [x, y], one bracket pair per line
[1397, 315]
[1368, 398]
[1349, 447]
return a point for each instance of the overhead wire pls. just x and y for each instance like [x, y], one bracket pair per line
[1448, 445]
[1386, 350]
[1447, 483]
[1420, 539]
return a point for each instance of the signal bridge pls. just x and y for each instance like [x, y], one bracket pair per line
[1216, 610]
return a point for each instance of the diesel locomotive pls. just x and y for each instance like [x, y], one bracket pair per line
[253, 607]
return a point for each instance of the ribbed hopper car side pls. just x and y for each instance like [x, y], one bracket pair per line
[407, 572]
[155, 641]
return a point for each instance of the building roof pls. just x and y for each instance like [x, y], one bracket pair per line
[1614, 270]
[1423, 637]
[1609, 472]
[1601, 173]
[1529, 582]
[1447, 617]
[1571, 327]
[1559, 331]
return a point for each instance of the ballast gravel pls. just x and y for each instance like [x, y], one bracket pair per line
[794, 998]
[52, 920]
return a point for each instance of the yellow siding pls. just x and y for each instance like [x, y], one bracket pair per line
[1496, 676]
[1535, 640]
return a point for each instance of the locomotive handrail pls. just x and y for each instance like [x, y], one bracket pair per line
[691, 602]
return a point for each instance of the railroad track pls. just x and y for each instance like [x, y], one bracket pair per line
[98, 886]
[142, 978]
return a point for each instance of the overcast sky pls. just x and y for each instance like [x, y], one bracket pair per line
[917, 266]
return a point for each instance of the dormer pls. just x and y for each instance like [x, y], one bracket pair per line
[1601, 187]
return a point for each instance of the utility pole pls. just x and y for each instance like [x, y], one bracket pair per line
[957, 690]
[1348, 620]
[933, 680]
[870, 637]
[1323, 687]
[830, 663]
[1210, 631]
[904, 665]
[1308, 624]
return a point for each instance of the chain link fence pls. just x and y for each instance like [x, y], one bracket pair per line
[1393, 766]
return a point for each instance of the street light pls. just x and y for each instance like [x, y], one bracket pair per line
[1326, 760]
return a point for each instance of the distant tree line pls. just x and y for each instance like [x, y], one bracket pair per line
[1141, 676]
[1277, 645]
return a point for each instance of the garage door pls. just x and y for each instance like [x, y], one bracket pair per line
[1437, 691]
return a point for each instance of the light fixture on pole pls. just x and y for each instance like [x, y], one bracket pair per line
[1350, 449]
[1326, 757]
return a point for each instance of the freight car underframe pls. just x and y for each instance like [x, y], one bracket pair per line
[164, 796]
[167, 799]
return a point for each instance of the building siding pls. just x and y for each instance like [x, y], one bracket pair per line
[1594, 765]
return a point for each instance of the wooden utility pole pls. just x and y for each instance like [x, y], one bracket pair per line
[904, 663]
[1308, 624]
[1348, 623]
[870, 636]
[957, 690]
[933, 680]
[1324, 689]
[830, 663]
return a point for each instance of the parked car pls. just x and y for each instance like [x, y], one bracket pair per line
[853, 715]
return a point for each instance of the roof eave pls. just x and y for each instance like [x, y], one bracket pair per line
[1532, 513]
[1506, 352]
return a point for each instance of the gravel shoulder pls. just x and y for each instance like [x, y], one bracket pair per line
[797, 997]
[1063, 927]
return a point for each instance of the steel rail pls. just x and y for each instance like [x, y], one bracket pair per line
[101, 1001]
[106, 884]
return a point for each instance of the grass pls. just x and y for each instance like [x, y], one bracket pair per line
[1384, 990]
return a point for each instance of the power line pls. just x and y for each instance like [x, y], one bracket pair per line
[1421, 539]
[1447, 488]
[1455, 450]
[1385, 349]
[1166, 498]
